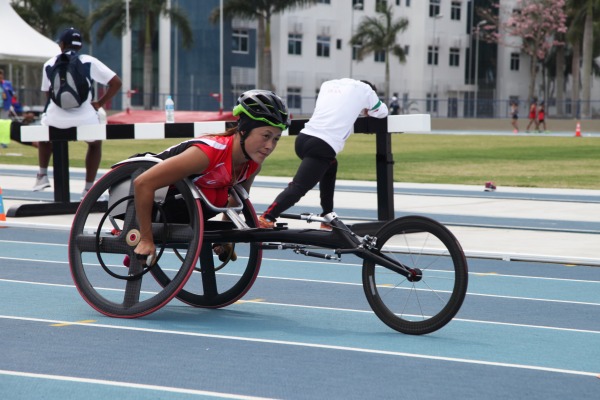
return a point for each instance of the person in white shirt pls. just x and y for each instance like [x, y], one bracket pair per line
[339, 103]
[86, 114]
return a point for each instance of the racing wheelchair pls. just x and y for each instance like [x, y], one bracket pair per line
[414, 271]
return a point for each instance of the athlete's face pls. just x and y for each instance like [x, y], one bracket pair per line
[261, 142]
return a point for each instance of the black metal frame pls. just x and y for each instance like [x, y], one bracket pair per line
[60, 153]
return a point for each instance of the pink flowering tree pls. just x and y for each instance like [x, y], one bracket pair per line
[532, 26]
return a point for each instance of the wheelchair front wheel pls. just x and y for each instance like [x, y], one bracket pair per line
[421, 304]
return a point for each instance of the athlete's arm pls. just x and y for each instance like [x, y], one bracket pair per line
[192, 161]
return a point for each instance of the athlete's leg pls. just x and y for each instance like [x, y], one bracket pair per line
[92, 160]
[316, 158]
[327, 187]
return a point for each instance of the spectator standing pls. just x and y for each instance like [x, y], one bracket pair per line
[339, 103]
[6, 91]
[17, 108]
[532, 115]
[541, 118]
[70, 43]
[394, 105]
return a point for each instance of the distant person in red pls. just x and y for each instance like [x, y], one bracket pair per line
[541, 118]
[532, 115]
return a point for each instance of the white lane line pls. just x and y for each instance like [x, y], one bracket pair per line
[313, 345]
[337, 264]
[349, 310]
[37, 226]
[327, 282]
[129, 385]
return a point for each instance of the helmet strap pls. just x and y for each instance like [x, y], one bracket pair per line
[243, 144]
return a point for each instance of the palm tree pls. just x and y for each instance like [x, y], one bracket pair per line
[378, 34]
[110, 17]
[583, 16]
[49, 16]
[262, 11]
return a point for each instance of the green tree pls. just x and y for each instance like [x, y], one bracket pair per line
[110, 16]
[581, 33]
[537, 23]
[261, 11]
[378, 34]
[50, 16]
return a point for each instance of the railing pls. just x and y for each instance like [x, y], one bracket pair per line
[440, 108]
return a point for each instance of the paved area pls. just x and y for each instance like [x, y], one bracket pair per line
[305, 330]
[510, 223]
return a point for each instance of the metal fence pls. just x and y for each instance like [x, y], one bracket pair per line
[304, 106]
[482, 108]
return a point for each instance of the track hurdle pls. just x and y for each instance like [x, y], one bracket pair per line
[382, 128]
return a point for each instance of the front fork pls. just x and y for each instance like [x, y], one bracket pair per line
[367, 250]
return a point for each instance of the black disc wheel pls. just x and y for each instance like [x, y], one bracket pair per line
[429, 297]
[218, 283]
[103, 265]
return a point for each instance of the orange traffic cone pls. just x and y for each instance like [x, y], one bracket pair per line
[2, 215]
[578, 130]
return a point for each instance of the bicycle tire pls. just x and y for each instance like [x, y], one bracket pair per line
[125, 292]
[425, 305]
[233, 280]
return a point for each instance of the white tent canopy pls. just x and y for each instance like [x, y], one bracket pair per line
[20, 42]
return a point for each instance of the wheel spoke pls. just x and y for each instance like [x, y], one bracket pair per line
[207, 269]
[133, 287]
[101, 258]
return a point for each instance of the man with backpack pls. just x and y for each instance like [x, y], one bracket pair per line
[68, 81]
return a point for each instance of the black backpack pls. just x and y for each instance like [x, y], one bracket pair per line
[70, 81]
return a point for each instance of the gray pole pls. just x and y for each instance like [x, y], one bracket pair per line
[477, 65]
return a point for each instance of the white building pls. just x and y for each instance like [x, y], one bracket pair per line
[311, 45]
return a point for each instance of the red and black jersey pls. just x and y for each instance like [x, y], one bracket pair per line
[216, 180]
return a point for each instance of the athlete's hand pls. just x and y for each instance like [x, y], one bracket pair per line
[146, 252]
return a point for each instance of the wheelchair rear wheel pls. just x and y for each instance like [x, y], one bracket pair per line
[214, 283]
[103, 265]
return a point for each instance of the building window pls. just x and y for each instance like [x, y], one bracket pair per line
[407, 3]
[323, 46]
[240, 40]
[455, 10]
[379, 56]
[358, 4]
[295, 43]
[432, 55]
[514, 61]
[406, 49]
[434, 7]
[432, 102]
[324, 1]
[294, 98]
[380, 4]
[355, 49]
[454, 57]
[398, 2]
